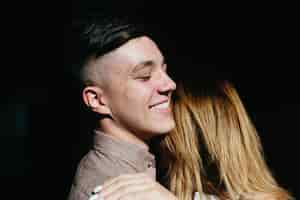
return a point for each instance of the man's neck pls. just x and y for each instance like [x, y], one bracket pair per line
[122, 134]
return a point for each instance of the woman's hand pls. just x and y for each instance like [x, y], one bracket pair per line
[134, 187]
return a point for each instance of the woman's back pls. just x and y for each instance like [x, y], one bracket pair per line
[215, 148]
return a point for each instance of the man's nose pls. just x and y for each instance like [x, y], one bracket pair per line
[167, 83]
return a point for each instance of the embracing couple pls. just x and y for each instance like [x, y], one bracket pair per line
[207, 146]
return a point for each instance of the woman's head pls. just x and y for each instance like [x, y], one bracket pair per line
[214, 148]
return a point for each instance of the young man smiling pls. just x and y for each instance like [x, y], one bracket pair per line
[127, 86]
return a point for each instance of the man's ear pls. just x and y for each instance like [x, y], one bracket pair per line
[94, 99]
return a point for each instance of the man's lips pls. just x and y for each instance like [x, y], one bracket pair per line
[161, 105]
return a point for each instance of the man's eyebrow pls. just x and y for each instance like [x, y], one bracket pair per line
[145, 64]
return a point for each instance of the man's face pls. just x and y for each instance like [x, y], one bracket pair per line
[138, 89]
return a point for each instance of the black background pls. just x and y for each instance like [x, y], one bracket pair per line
[42, 118]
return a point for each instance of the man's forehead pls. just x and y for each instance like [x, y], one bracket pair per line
[133, 53]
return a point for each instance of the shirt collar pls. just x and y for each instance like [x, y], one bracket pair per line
[135, 155]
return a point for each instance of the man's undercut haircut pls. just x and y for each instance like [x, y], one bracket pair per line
[108, 34]
[100, 35]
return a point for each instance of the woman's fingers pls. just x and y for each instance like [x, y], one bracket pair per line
[131, 191]
[133, 187]
[124, 184]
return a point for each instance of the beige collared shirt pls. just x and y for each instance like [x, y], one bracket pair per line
[109, 158]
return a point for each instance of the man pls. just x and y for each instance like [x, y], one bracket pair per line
[127, 86]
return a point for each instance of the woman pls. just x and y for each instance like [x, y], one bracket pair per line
[215, 148]
[214, 151]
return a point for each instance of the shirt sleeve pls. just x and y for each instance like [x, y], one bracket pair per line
[90, 173]
[77, 193]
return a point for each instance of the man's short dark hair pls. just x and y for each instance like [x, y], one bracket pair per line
[94, 36]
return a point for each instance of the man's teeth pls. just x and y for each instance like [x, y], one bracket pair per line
[162, 105]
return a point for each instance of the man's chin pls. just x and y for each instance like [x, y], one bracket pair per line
[165, 129]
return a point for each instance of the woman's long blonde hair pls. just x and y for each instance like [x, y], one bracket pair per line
[215, 148]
